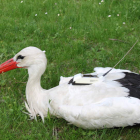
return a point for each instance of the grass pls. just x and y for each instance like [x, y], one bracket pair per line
[77, 36]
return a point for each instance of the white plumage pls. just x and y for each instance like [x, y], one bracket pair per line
[104, 104]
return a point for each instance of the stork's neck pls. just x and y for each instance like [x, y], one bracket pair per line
[34, 82]
[37, 97]
[33, 85]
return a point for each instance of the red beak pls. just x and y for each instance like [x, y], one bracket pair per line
[8, 65]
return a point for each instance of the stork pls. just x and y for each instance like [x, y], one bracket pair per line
[108, 101]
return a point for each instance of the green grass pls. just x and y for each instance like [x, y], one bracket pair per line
[77, 35]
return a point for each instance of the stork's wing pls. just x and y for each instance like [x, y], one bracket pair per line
[111, 102]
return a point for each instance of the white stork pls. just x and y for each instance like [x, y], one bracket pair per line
[89, 101]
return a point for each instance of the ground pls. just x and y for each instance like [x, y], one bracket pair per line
[77, 36]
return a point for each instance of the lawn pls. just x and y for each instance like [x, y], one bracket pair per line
[77, 36]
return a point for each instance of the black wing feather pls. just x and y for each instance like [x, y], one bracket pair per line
[132, 82]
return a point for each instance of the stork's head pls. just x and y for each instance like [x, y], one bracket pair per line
[31, 58]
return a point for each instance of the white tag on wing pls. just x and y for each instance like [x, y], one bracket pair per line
[85, 79]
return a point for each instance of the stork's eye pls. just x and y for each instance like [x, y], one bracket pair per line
[20, 57]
